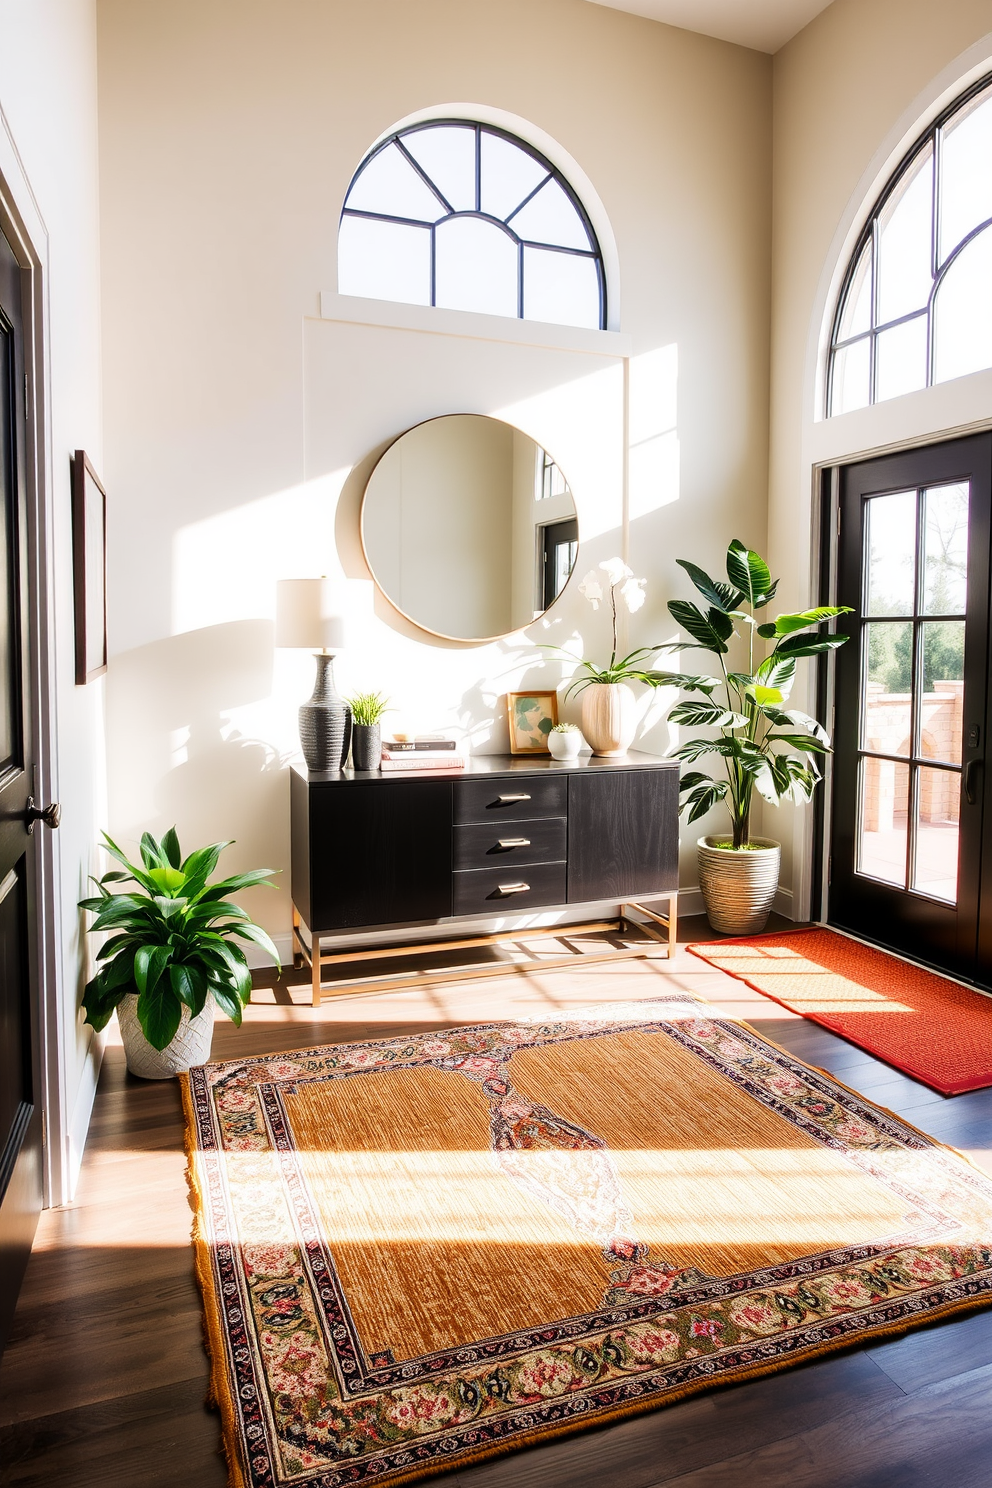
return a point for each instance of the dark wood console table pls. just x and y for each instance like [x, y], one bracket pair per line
[506, 835]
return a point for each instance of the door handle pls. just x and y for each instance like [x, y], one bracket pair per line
[51, 814]
[517, 888]
[513, 842]
[522, 797]
[970, 770]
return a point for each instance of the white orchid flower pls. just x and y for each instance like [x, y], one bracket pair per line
[632, 593]
[616, 569]
[592, 588]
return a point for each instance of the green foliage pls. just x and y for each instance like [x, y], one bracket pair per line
[765, 745]
[175, 941]
[631, 668]
[368, 707]
[890, 654]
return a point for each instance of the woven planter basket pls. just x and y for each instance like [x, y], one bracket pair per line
[190, 1046]
[738, 888]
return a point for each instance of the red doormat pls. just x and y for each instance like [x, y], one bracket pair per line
[934, 1029]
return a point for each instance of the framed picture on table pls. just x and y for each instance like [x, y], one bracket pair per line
[89, 568]
[531, 717]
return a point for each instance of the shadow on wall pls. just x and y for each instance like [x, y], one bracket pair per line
[174, 759]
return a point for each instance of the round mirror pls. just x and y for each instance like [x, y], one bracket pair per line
[469, 527]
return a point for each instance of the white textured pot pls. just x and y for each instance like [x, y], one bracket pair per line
[190, 1046]
[609, 718]
[738, 887]
[565, 746]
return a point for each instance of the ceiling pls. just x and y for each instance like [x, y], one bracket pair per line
[765, 25]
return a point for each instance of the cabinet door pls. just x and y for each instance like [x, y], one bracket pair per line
[380, 854]
[623, 834]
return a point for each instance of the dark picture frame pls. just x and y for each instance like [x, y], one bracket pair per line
[89, 568]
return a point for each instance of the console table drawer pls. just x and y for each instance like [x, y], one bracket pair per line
[490, 890]
[509, 799]
[490, 845]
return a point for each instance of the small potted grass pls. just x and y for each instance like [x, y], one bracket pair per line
[565, 741]
[367, 709]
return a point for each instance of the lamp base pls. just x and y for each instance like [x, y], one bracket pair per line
[325, 722]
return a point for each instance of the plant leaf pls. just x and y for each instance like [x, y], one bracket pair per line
[228, 1001]
[159, 1013]
[808, 645]
[149, 963]
[750, 573]
[190, 985]
[171, 848]
[707, 715]
[721, 596]
[777, 671]
[687, 681]
[259, 936]
[152, 853]
[784, 625]
[710, 631]
[806, 742]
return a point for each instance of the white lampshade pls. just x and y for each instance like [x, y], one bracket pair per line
[308, 616]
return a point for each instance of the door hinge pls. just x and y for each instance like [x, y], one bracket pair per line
[838, 519]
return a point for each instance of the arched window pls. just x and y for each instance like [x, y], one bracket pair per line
[916, 307]
[468, 217]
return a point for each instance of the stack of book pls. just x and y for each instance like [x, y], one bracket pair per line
[421, 754]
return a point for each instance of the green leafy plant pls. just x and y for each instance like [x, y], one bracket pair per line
[765, 745]
[172, 937]
[367, 708]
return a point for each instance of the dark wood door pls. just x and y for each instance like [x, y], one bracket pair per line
[20, 1112]
[911, 722]
[623, 833]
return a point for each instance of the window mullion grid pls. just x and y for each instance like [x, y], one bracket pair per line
[433, 264]
[938, 168]
[916, 685]
[520, 278]
[478, 168]
[872, 338]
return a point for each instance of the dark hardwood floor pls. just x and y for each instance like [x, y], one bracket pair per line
[104, 1380]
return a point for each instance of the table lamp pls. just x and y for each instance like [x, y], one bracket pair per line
[307, 615]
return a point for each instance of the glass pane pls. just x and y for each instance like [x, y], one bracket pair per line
[857, 307]
[550, 217]
[901, 359]
[890, 523]
[886, 712]
[384, 260]
[935, 871]
[966, 173]
[904, 276]
[475, 267]
[561, 288]
[883, 821]
[945, 573]
[849, 387]
[942, 700]
[508, 175]
[389, 184]
[962, 327]
[447, 154]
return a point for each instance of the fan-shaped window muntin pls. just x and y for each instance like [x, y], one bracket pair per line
[916, 306]
[466, 216]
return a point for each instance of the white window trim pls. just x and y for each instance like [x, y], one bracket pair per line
[356, 310]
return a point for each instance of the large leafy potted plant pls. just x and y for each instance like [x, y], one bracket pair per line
[764, 745]
[172, 954]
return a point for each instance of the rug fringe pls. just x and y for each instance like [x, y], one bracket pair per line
[218, 1395]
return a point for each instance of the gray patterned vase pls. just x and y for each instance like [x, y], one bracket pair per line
[366, 746]
[325, 721]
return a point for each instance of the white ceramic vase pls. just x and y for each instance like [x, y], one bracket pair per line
[565, 746]
[190, 1046]
[609, 718]
[738, 885]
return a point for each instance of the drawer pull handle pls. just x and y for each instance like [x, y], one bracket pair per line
[521, 797]
[514, 842]
[519, 888]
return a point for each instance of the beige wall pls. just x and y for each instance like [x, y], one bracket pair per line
[240, 423]
[848, 94]
[48, 99]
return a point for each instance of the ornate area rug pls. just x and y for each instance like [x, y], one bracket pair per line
[934, 1029]
[419, 1252]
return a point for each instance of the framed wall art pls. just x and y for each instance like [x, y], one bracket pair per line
[89, 568]
[531, 717]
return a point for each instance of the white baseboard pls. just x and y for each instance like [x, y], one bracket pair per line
[79, 1122]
